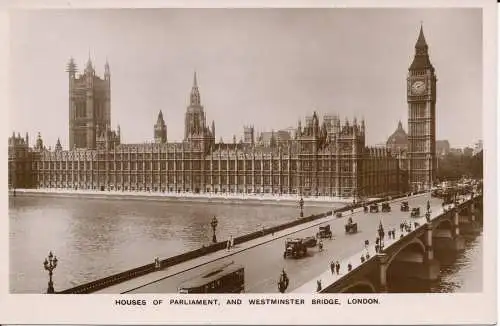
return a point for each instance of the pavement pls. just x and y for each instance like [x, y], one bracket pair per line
[263, 257]
[185, 196]
[327, 278]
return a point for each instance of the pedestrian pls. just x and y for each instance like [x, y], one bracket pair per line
[376, 248]
[228, 245]
[337, 267]
[332, 267]
[232, 242]
[318, 282]
[349, 267]
[367, 243]
[362, 259]
[367, 255]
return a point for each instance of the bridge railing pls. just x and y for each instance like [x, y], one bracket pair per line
[174, 260]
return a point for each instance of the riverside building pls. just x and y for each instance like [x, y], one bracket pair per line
[321, 158]
[325, 158]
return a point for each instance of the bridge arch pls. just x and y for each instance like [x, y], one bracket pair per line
[363, 286]
[414, 246]
[443, 229]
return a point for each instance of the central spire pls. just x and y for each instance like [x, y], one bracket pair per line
[195, 93]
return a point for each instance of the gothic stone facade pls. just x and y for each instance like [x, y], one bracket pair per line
[309, 165]
[327, 158]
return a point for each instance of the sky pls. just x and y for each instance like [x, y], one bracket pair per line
[262, 67]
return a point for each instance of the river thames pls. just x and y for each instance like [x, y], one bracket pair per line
[94, 238]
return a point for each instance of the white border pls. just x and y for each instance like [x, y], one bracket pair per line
[394, 308]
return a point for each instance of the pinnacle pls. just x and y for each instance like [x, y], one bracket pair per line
[421, 38]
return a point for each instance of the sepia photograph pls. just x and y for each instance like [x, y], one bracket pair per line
[289, 153]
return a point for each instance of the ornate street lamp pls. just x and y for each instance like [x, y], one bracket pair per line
[214, 224]
[301, 205]
[50, 265]
[381, 233]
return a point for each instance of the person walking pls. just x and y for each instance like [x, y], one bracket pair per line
[318, 282]
[332, 267]
[337, 267]
[349, 267]
[232, 242]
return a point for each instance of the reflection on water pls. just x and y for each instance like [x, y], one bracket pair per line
[460, 272]
[93, 238]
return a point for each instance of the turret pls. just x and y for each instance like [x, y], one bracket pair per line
[160, 129]
[58, 145]
[71, 68]
[107, 74]
[89, 68]
[39, 142]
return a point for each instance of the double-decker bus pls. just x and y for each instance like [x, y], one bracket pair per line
[228, 278]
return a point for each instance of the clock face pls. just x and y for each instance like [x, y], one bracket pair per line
[418, 87]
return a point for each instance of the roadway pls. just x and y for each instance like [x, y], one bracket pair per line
[263, 258]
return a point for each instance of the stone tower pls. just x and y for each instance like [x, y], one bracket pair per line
[160, 131]
[196, 130]
[89, 105]
[421, 98]
[248, 135]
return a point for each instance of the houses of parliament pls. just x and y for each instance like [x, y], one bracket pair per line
[318, 158]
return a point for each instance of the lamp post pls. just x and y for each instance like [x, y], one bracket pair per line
[50, 265]
[214, 224]
[301, 205]
[381, 234]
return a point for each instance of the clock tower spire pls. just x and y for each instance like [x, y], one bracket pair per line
[421, 98]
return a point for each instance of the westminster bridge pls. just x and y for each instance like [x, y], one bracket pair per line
[410, 253]
[261, 253]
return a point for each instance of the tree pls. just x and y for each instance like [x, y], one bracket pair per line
[454, 166]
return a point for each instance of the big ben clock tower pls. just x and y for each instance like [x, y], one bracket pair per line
[421, 94]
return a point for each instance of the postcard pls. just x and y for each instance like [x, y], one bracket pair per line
[319, 162]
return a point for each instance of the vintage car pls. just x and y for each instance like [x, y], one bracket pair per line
[295, 248]
[365, 209]
[405, 207]
[324, 232]
[386, 207]
[338, 214]
[373, 208]
[415, 212]
[310, 242]
[351, 227]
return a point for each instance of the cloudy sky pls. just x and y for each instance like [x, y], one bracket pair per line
[266, 67]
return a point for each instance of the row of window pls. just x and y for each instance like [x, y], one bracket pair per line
[319, 191]
[196, 165]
